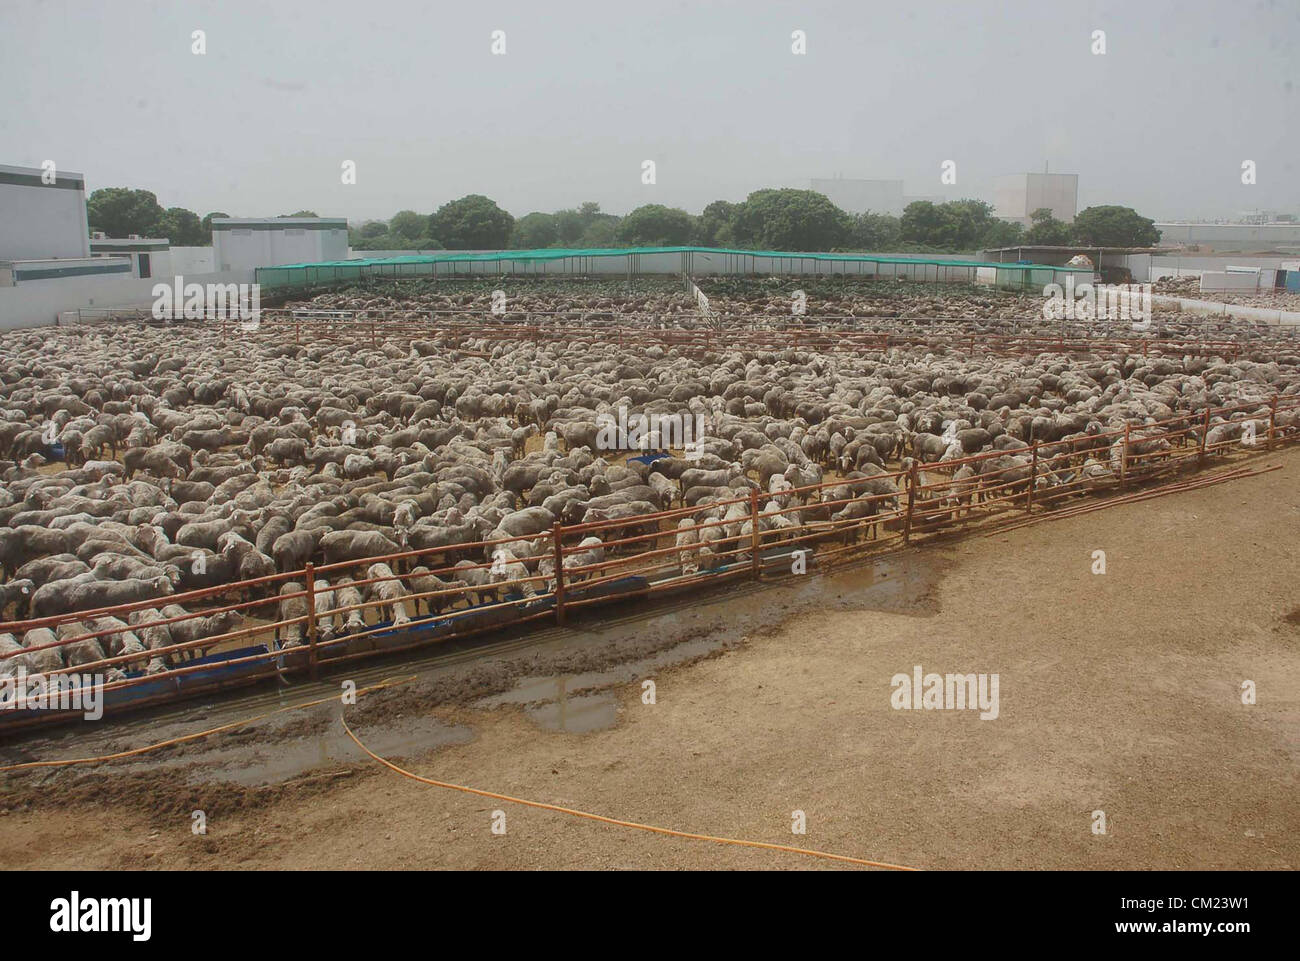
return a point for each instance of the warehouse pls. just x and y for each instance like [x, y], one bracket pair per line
[246, 243]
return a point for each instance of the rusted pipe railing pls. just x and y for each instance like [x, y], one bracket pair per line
[557, 552]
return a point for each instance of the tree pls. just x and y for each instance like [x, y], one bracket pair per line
[788, 219]
[953, 226]
[183, 228]
[922, 223]
[471, 223]
[534, 230]
[1111, 226]
[602, 232]
[713, 225]
[875, 232]
[408, 224]
[377, 228]
[1045, 230]
[572, 227]
[655, 225]
[1002, 233]
[300, 213]
[207, 225]
[120, 212]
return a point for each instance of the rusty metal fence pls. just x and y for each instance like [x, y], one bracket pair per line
[299, 621]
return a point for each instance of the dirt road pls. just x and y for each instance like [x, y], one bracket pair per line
[1118, 692]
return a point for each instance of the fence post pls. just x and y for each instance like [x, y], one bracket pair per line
[311, 622]
[1205, 430]
[911, 502]
[753, 534]
[372, 333]
[1123, 457]
[1272, 420]
[1033, 476]
[557, 551]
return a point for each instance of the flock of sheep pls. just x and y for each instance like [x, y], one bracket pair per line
[190, 461]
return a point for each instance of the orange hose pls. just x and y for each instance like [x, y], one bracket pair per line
[27, 765]
[826, 855]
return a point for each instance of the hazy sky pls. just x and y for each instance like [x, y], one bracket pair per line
[710, 91]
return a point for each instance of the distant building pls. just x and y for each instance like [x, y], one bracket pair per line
[43, 231]
[148, 258]
[42, 221]
[1017, 196]
[1232, 238]
[859, 196]
[245, 243]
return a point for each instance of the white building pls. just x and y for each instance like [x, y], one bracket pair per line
[148, 258]
[1231, 237]
[39, 220]
[1017, 196]
[247, 243]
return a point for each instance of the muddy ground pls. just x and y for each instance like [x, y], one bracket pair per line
[1119, 692]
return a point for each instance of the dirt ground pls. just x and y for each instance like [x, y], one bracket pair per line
[1119, 692]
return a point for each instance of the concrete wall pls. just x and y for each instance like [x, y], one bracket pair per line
[1230, 237]
[193, 260]
[39, 302]
[1148, 268]
[1267, 315]
[40, 220]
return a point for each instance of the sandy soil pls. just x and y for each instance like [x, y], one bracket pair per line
[1118, 692]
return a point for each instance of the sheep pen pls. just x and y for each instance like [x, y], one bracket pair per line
[377, 468]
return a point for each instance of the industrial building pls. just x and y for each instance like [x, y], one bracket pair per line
[247, 243]
[43, 234]
[1017, 196]
[147, 257]
[1282, 237]
[42, 221]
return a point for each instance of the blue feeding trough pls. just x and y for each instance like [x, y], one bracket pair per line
[220, 671]
[649, 458]
[136, 693]
[55, 451]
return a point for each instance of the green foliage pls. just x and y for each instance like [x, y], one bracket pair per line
[713, 226]
[408, 224]
[388, 241]
[655, 225]
[1002, 233]
[575, 228]
[207, 225]
[958, 225]
[534, 230]
[787, 219]
[300, 213]
[601, 232]
[875, 232]
[922, 223]
[1112, 226]
[121, 211]
[373, 228]
[183, 228]
[1046, 230]
[472, 223]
